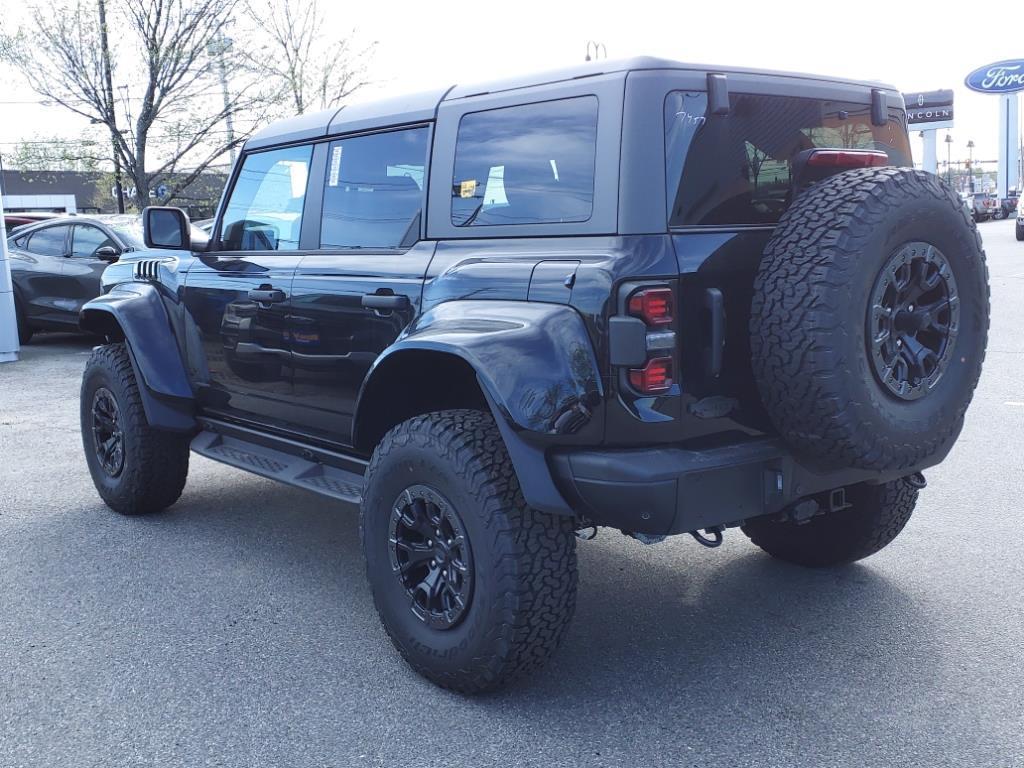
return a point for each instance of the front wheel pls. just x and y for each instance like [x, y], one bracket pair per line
[135, 468]
[1019, 231]
[473, 587]
[875, 516]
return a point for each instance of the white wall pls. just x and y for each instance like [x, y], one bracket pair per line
[65, 203]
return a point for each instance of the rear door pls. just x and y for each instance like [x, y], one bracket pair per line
[354, 295]
[37, 267]
[238, 294]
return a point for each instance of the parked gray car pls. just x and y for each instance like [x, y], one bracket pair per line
[56, 266]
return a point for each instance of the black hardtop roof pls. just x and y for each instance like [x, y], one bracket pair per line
[420, 107]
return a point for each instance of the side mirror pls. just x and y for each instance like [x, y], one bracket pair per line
[107, 253]
[165, 227]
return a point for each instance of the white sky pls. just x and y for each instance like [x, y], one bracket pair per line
[423, 45]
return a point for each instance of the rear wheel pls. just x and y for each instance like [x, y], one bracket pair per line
[876, 515]
[25, 331]
[135, 468]
[473, 587]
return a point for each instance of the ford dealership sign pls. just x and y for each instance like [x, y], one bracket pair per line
[1001, 77]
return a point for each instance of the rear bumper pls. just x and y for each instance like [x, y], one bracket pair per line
[668, 490]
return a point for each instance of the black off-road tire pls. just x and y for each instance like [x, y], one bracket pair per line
[876, 515]
[25, 331]
[155, 462]
[809, 319]
[1019, 231]
[523, 561]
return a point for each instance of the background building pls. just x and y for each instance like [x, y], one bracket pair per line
[93, 192]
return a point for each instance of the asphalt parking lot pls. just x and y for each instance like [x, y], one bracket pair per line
[236, 629]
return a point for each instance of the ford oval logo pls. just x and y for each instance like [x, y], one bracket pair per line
[1001, 77]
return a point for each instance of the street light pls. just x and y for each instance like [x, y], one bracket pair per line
[970, 165]
[949, 158]
[600, 52]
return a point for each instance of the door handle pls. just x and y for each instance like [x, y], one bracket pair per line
[267, 295]
[391, 301]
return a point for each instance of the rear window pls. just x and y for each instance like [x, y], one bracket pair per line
[528, 164]
[735, 169]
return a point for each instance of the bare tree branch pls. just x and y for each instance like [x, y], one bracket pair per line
[167, 57]
[309, 69]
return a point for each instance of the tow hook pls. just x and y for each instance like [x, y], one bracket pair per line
[916, 480]
[711, 538]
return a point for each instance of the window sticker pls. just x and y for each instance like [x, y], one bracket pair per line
[467, 188]
[332, 180]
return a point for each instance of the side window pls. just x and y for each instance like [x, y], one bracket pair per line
[85, 241]
[264, 212]
[48, 241]
[373, 193]
[529, 164]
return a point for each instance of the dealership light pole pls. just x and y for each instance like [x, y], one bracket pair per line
[217, 48]
[112, 117]
[970, 165]
[949, 159]
[8, 318]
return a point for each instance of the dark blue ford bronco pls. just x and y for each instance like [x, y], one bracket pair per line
[652, 296]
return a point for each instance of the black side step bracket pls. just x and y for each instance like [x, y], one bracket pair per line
[269, 462]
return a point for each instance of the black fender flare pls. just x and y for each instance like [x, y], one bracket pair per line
[536, 366]
[138, 310]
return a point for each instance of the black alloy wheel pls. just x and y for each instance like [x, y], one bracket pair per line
[431, 557]
[913, 319]
[108, 437]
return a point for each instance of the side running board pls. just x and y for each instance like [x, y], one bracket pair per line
[269, 462]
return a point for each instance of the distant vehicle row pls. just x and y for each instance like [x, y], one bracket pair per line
[56, 264]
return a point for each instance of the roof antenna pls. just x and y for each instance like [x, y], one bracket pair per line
[600, 52]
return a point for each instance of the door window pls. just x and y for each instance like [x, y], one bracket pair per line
[49, 241]
[264, 212]
[529, 164]
[373, 193]
[85, 241]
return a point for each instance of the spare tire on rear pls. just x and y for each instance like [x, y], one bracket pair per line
[870, 318]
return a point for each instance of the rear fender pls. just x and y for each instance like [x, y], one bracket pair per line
[136, 311]
[536, 367]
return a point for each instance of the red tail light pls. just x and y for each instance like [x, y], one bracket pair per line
[847, 158]
[653, 378]
[652, 305]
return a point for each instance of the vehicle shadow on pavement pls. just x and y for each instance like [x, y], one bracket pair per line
[726, 626]
[731, 632]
